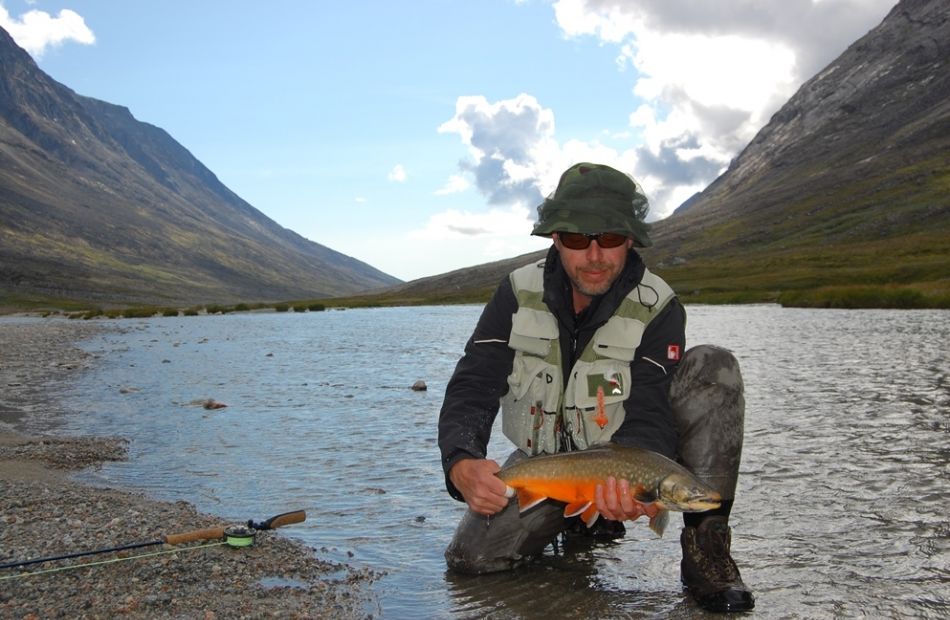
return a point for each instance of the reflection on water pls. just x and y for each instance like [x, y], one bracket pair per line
[842, 506]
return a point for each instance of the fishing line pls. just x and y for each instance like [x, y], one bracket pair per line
[112, 561]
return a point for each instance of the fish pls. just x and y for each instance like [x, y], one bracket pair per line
[572, 478]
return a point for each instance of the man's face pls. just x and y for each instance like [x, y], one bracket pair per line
[593, 269]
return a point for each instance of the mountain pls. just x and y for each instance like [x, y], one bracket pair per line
[855, 167]
[843, 198]
[98, 207]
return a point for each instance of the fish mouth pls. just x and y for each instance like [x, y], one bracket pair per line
[696, 500]
[693, 504]
[700, 505]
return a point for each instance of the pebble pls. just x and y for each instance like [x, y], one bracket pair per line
[46, 513]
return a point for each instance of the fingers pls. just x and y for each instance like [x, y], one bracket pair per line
[489, 495]
[615, 501]
[631, 508]
[483, 491]
[650, 510]
[608, 501]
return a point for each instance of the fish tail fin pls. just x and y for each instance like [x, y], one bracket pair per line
[659, 521]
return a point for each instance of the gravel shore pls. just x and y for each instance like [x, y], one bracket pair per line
[43, 512]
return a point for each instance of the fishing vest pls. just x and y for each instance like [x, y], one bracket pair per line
[539, 414]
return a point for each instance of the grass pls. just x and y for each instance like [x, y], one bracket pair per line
[906, 272]
[911, 271]
[888, 296]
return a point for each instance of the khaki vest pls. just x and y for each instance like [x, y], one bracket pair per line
[539, 414]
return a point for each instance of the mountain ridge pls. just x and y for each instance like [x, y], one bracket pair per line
[96, 206]
[841, 199]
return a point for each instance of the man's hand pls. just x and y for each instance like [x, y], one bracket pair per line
[615, 502]
[483, 491]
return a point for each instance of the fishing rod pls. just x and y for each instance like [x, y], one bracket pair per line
[235, 536]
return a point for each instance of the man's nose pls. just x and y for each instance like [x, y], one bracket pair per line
[594, 251]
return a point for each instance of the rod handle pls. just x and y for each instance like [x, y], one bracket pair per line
[297, 516]
[287, 518]
[206, 534]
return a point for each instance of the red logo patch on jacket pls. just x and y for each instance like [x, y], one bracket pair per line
[673, 352]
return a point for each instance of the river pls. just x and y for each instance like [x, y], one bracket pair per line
[842, 507]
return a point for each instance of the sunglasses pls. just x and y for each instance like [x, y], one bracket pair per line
[581, 241]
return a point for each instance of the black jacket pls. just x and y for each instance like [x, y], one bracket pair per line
[481, 376]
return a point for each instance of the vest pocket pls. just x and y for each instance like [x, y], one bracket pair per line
[618, 338]
[532, 331]
[529, 410]
[590, 428]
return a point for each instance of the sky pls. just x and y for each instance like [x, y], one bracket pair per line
[420, 136]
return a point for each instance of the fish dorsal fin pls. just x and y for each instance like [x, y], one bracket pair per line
[528, 500]
[576, 508]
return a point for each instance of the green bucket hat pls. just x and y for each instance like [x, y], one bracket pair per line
[594, 198]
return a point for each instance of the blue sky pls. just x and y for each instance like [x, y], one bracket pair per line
[419, 136]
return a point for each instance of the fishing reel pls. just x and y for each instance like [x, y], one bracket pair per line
[234, 536]
[239, 535]
[243, 535]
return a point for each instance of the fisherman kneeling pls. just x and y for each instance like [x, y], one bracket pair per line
[592, 319]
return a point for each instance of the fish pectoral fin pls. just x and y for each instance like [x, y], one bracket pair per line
[590, 515]
[576, 508]
[528, 500]
[658, 522]
[643, 496]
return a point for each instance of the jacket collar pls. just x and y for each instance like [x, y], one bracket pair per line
[557, 291]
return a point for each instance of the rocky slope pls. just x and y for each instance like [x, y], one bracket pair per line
[97, 206]
[846, 187]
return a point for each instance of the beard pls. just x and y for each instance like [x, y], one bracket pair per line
[598, 287]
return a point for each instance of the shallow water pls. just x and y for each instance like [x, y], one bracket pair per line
[842, 503]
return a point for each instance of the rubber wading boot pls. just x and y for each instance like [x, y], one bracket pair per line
[708, 570]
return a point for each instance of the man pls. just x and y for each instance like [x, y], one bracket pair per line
[591, 315]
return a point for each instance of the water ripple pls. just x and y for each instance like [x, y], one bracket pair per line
[841, 509]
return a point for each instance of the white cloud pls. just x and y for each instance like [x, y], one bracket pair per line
[509, 144]
[455, 185]
[455, 224]
[710, 75]
[36, 31]
[453, 253]
[517, 161]
[397, 174]
[460, 238]
[816, 31]
[706, 77]
[608, 23]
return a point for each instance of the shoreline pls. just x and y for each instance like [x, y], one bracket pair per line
[45, 512]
